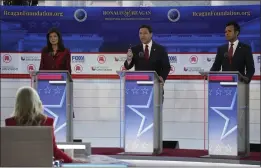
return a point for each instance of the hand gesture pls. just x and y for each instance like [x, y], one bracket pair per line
[129, 55]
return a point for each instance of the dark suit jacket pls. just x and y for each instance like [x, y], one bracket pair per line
[158, 60]
[58, 154]
[242, 60]
[61, 60]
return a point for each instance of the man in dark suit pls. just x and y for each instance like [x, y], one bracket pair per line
[234, 56]
[148, 56]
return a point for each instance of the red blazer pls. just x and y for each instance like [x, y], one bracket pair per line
[60, 61]
[58, 154]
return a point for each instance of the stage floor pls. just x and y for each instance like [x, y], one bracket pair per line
[181, 156]
[163, 164]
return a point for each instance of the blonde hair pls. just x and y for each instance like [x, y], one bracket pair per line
[28, 107]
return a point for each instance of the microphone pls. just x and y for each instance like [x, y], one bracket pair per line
[225, 54]
[141, 54]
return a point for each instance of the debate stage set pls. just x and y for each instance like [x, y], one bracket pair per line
[115, 118]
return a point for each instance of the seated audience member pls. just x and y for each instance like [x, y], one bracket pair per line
[28, 111]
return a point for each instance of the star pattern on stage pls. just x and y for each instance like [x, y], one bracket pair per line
[57, 90]
[218, 92]
[47, 90]
[39, 91]
[228, 148]
[59, 123]
[127, 91]
[226, 132]
[134, 108]
[209, 92]
[144, 90]
[135, 91]
[228, 92]
[220, 149]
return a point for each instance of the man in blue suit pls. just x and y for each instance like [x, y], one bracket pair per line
[235, 56]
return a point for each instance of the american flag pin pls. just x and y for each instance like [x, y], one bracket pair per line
[154, 49]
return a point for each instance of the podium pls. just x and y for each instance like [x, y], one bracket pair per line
[228, 115]
[142, 104]
[55, 89]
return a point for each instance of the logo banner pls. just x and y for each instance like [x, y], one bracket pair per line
[99, 37]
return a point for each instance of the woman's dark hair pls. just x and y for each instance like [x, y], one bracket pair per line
[60, 40]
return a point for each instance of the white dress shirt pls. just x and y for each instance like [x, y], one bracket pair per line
[149, 47]
[234, 46]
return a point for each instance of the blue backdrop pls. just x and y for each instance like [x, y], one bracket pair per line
[108, 29]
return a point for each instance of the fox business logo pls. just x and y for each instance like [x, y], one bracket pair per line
[173, 59]
[78, 58]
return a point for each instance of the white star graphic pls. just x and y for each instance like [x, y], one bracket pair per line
[218, 92]
[143, 118]
[47, 90]
[135, 90]
[144, 90]
[127, 91]
[57, 90]
[228, 149]
[39, 91]
[209, 92]
[216, 109]
[228, 92]
[56, 117]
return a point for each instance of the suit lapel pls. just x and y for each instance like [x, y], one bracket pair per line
[237, 51]
[226, 48]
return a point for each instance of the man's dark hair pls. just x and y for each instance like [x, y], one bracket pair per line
[235, 25]
[60, 40]
[147, 27]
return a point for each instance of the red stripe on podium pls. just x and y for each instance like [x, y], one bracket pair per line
[50, 77]
[221, 78]
[137, 77]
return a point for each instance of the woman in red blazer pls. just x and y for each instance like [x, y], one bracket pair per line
[55, 56]
[28, 111]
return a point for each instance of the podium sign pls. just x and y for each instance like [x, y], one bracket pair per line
[228, 115]
[222, 113]
[142, 115]
[56, 95]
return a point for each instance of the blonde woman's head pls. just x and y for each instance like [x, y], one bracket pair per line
[28, 107]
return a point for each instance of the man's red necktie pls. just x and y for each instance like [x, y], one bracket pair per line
[146, 52]
[230, 53]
